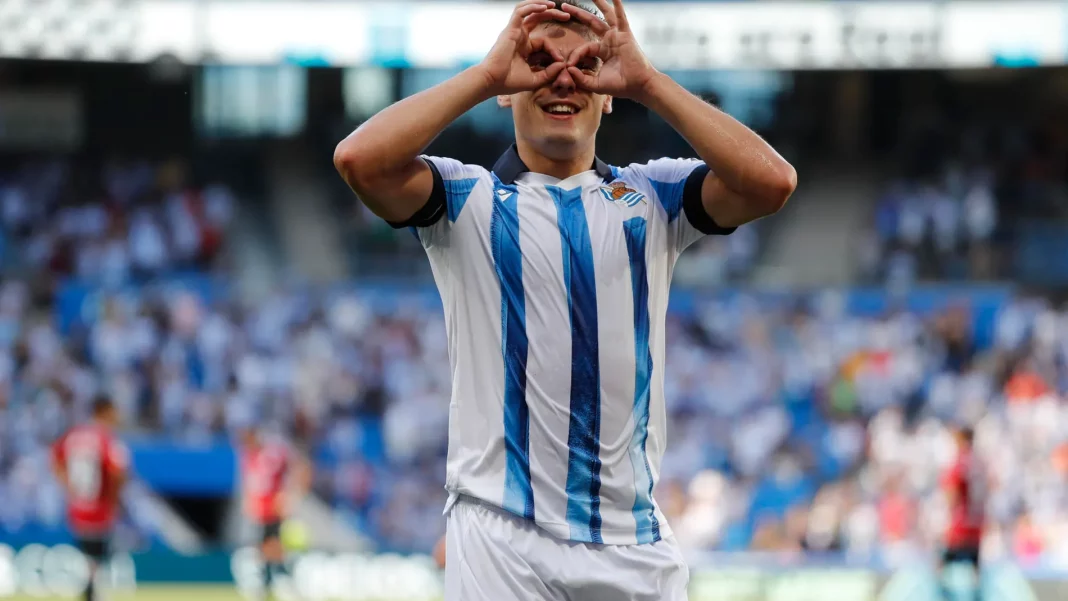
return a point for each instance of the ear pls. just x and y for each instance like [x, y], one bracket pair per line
[607, 109]
[504, 101]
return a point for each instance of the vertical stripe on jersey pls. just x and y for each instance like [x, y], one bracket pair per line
[648, 528]
[508, 260]
[670, 196]
[583, 436]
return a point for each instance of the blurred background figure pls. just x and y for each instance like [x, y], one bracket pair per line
[274, 478]
[965, 484]
[91, 465]
[173, 236]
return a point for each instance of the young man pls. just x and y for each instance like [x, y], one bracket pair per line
[267, 471]
[964, 484]
[554, 271]
[91, 464]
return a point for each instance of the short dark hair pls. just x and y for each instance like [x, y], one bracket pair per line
[102, 403]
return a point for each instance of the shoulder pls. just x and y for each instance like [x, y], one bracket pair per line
[667, 181]
[454, 184]
[451, 169]
[664, 170]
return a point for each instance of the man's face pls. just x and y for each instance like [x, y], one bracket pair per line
[109, 417]
[558, 117]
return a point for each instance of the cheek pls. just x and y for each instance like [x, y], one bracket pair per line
[595, 114]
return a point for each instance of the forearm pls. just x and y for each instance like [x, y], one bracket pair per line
[389, 142]
[741, 159]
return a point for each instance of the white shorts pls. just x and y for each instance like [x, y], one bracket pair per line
[491, 555]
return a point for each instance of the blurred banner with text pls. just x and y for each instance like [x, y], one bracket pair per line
[676, 35]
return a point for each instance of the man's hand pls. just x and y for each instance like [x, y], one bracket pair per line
[509, 67]
[624, 71]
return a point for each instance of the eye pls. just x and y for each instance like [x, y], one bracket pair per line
[539, 59]
[589, 64]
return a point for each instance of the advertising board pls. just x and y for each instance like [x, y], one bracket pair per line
[38, 571]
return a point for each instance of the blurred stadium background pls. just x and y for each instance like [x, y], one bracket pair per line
[172, 232]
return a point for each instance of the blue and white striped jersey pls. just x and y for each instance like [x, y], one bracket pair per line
[555, 295]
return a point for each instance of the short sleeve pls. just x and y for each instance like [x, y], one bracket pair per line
[453, 183]
[677, 184]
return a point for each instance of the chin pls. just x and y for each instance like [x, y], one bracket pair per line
[562, 139]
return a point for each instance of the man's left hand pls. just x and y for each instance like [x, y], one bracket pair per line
[615, 65]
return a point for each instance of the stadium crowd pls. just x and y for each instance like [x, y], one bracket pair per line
[790, 429]
[109, 224]
[796, 427]
[961, 203]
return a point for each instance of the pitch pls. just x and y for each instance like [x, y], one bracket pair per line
[165, 593]
[155, 593]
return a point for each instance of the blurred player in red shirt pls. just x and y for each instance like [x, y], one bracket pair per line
[268, 469]
[91, 464]
[965, 486]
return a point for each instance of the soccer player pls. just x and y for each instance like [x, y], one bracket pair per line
[554, 269]
[964, 484]
[91, 464]
[267, 470]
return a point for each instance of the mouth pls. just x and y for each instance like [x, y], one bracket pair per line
[561, 111]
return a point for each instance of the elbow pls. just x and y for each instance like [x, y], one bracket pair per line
[781, 186]
[356, 163]
[349, 161]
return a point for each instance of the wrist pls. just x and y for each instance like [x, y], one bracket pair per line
[653, 87]
[485, 84]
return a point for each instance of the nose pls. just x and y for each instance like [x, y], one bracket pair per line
[564, 84]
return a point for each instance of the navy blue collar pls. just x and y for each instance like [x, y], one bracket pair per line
[510, 166]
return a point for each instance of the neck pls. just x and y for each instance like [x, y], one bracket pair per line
[561, 166]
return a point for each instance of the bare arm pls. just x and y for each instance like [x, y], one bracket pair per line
[303, 475]
[380, 160]
[118, 467]
[748, 179]
[118, 480]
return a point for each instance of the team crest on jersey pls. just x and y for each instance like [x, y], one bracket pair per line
[618, 192]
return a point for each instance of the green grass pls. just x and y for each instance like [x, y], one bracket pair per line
[156, 593]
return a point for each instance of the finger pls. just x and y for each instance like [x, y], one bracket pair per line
[588, 19]
[530, 46]
[549, 74]
[586, 50]
[621, 16]
[538, 45]
[533, 20]
[584, 81]
[608, 12]
[528, 8]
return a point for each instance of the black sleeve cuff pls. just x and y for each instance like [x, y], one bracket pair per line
[694, 208]
[434, 209]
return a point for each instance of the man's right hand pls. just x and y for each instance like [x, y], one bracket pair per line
[513, 64]
[380, 160]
